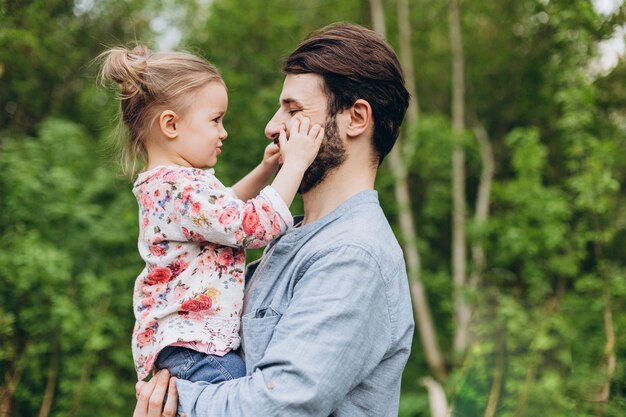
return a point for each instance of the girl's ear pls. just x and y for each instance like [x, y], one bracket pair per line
[360, 118]
[168, 122]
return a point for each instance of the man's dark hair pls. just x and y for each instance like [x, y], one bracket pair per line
[356, 63]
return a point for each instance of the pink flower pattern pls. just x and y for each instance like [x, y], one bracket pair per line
[193, 233]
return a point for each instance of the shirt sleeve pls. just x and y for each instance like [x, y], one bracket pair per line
[335, 331]
[215, 214]
[232, 192]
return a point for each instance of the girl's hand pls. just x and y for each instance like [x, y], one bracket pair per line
[150, 396]
[303, 144]
[271, 157]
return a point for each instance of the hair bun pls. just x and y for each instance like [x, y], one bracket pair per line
[126, 67]
[139, 55]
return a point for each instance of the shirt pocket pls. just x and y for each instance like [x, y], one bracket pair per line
[257, 328]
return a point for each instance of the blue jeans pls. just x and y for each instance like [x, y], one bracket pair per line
[194, 366]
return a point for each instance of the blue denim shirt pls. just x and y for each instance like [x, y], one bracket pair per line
[327, 324]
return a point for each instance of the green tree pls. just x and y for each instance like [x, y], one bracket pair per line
[69, 254]
[548, 312]
[67, 277]
[47, 46]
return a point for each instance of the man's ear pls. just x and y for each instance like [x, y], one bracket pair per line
[360, 118]
[168, 122]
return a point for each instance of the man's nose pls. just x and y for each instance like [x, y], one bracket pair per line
[272, 129]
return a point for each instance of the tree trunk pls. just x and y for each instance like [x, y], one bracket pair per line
[406, 60]
[436, 398]
[53, 373]
[6, 394]
[609, 347]
[378, 17]
[11, 381]
[85, 375]
[421, 309]
[496, 384]
[482, 202]
[531, 375]
[459, 265]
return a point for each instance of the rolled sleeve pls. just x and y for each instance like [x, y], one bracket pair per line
[216, 215]
[334, 332]
[276, 201]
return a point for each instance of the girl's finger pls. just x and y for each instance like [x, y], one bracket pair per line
[172, 400]
[272, 148]
[315, 130]
[294, 125]
[304, 125]
[282, 137]
[320, 137]
[273, 159]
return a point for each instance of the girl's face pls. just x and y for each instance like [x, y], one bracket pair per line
[201, 131]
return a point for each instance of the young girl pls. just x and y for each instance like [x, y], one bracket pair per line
[193, 230]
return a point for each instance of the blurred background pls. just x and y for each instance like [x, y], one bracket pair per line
[505, 189]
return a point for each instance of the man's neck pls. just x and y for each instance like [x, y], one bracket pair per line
[338, 186]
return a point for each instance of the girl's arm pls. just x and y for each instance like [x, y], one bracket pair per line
[198, 208]
[251, 185]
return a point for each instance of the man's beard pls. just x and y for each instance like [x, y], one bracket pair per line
[331, 155]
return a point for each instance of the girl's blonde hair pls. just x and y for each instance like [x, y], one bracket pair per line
[151, 83]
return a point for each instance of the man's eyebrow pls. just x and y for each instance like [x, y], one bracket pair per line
[288, 100]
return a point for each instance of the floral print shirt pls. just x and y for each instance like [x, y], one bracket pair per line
[193, 232]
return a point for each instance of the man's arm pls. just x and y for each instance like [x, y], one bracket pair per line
[333, 334]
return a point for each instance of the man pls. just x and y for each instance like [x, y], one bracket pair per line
[327, 322]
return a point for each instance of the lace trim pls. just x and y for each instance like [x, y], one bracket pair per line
[222, 334]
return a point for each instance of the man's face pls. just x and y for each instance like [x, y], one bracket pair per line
[303, 95]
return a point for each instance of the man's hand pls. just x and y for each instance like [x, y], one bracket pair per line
[150, 396]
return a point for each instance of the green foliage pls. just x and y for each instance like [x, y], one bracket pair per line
[67, 222]
[47, 47]
[68, 275]
[554, 241]
[556, 204]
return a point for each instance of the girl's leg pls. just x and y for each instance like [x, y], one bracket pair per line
[214, 369]
[178, 360]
